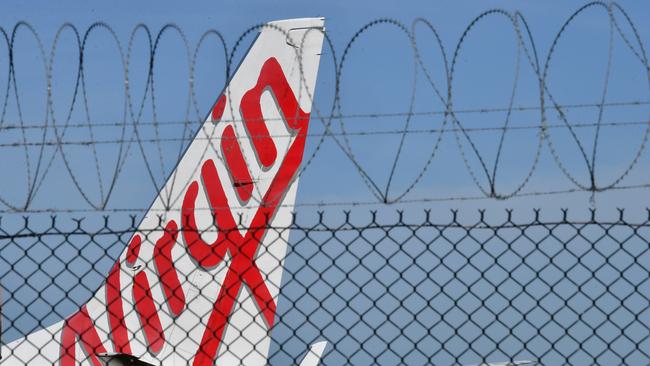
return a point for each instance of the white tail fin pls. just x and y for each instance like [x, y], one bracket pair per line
[199, 281]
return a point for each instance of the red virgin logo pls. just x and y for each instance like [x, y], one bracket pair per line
[242, 248]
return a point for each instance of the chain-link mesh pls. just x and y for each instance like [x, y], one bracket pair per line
[380, 289]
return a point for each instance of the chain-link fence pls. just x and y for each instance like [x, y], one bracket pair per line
[380, 289]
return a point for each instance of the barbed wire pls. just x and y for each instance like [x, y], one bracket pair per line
[367, 132]
[43, 144]
[17, 126]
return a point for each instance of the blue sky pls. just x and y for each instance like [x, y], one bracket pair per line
[378, 78]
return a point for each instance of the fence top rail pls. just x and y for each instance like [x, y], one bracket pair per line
[346, 221]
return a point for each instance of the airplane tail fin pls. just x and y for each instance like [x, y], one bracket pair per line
[199, 281]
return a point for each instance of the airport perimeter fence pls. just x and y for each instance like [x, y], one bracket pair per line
[405, 288]
[391, 289]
